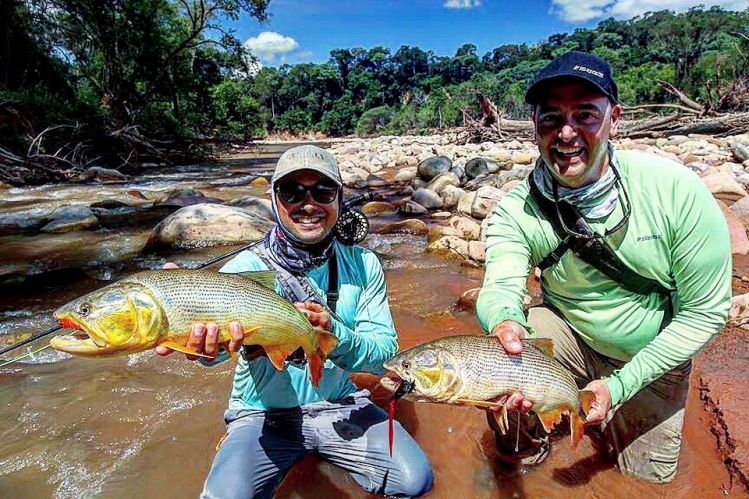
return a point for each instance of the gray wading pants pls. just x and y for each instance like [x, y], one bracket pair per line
[261, 447]
[643, 435]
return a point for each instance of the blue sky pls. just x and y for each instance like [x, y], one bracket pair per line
[307, 30]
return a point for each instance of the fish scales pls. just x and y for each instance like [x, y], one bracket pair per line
[533, 373]
[190, 296]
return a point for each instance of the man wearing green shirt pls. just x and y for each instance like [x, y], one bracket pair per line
[631, 347]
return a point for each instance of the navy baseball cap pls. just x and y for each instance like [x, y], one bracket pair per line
[580, 65]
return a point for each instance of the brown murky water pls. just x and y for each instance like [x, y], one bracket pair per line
[146, 426]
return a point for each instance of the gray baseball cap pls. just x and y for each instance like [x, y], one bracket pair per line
[307, 158]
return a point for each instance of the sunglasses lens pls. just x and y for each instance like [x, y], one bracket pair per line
[324, 193]
[291, 192]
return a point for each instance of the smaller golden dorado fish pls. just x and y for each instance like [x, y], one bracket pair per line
[159, 307]
[476, 370]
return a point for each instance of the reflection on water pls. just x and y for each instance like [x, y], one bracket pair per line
[146, 426]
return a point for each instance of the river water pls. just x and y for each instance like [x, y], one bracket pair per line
[146, 426]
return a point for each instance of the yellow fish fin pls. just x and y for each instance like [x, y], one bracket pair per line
[550, 419]
[277, 356]
[546, 345]
[479, 403]
[248, 333]
[265, 278]
[326, 343]
[586, 400]
[577, 428]
[184, 349]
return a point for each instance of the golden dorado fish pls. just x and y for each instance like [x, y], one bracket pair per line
[476, 370]
[158, 307]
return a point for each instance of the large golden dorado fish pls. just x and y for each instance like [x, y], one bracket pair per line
[158, 307]
[476, 370]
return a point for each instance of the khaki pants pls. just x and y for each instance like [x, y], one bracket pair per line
[644, 433]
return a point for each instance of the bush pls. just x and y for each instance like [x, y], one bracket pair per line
[374, 121]
[294, 121]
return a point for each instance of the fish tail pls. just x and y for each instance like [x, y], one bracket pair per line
[326, 343]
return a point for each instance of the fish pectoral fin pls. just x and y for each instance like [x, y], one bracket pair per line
[326, 342]
[249, 333]
[546, 345]
[277, 356]
[183, 348]
[265, 278]
[550, 419]
[479, 403]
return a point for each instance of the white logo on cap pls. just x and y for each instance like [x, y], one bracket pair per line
[588, 70]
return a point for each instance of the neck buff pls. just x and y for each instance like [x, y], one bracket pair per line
[595, 200]
[290, 252]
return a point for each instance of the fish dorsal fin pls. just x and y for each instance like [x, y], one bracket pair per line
[546, 345]
[265, 278]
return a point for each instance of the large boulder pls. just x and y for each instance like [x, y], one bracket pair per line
[468, 228]
[480, 204]
[374, 208]
[257, 205]
[409, 226]
[206, 224]
[481, 166]
[427, 198]
[103, 175]
[451, 196]
[450, 248]
[725, 187]
[70, 219]
[431, 167]
[442, 180]
[739, 240]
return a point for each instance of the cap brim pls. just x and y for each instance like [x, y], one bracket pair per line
[536, 90]
[295, 169]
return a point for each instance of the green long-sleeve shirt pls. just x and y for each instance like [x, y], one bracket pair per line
[676, 235]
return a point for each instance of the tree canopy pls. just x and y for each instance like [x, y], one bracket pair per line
[169, 69]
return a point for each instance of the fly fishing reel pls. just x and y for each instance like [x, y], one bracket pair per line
[352, 227]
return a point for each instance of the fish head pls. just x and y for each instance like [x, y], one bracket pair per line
[431, 369]
[119, 319]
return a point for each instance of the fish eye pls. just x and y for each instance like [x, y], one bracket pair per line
[406, 364]
[84, 309]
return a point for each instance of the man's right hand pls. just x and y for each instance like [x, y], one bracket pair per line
[204, 337]
[510, 334]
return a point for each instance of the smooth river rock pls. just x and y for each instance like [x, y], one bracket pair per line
[431, 167]
[206, 224]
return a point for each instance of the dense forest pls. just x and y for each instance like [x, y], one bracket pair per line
[120, 82]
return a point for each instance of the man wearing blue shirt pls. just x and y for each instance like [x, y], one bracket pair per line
[277, 418]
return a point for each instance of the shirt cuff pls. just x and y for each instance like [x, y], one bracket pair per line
[616, 388]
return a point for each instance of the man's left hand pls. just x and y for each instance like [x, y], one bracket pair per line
[602, 404]
[316, 314]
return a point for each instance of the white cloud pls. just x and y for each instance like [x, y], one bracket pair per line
[268, 45]
[462, 4]
[575, 11]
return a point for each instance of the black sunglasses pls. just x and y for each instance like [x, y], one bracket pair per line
[294, 193]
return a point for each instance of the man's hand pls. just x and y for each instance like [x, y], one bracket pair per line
[316, 314]
[204, 337]
[509, 334]
[602, 405]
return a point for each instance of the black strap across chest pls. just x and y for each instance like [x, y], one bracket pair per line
[588, 245]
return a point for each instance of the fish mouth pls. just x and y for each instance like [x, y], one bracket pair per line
[85, 339]
[403, 389]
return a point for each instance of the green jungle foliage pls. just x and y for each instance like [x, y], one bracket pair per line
[169, 68]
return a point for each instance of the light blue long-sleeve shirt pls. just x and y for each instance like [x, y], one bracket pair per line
[366, 336]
